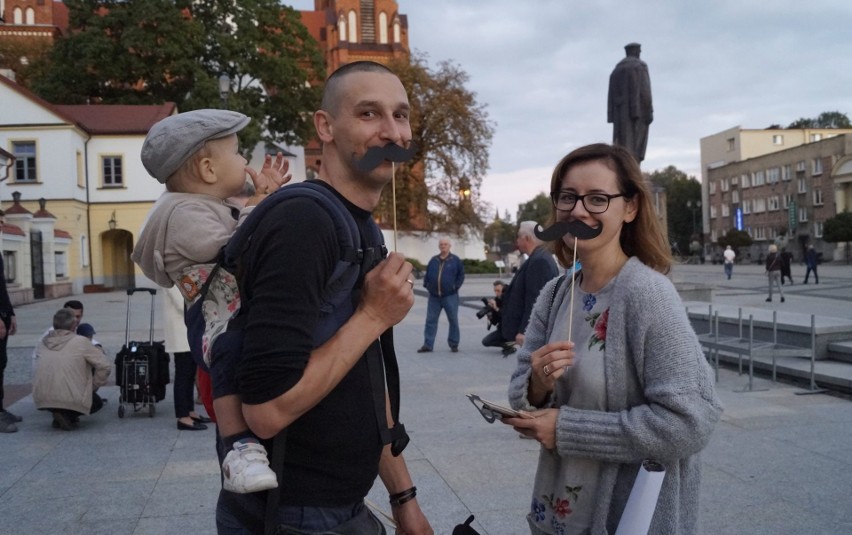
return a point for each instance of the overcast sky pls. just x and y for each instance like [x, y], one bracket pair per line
[542, 68]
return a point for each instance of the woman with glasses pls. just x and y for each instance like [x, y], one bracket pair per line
[632, 382]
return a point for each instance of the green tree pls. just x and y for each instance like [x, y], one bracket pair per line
[499, 236]
[839, 229]
[826, 119]
[536, 209]
[736, 239]
[155, 51]
[452, 133]
[683, 198]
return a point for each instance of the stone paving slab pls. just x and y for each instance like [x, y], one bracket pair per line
[777, 464]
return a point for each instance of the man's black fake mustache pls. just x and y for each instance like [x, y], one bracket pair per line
[576, 228]
[390, 152]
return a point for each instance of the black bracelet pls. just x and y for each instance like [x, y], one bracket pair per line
[403, 497]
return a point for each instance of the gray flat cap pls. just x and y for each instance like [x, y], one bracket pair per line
[176, 138]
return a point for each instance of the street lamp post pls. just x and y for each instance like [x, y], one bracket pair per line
[224, 89]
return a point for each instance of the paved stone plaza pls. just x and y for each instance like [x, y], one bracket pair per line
[777, 464]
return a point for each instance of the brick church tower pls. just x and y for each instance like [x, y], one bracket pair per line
[28, 29]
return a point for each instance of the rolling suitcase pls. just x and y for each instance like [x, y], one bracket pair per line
[141, 367]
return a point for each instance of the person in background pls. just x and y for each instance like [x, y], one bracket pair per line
[69, 371]
[811, 262]
[8, 327]
[534, 273]
[178, 347]
[773, 271]
[631, 382]
[729, 256]
[786, 263]
[495, 317]
[444, 277]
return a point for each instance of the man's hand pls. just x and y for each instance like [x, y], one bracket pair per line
[410, 520]
[388, 292]
[272, 176]
[3, 332]
[13, 326]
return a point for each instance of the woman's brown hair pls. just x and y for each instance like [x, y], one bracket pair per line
[642, 237]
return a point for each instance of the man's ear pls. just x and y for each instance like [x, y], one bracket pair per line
[324, 128]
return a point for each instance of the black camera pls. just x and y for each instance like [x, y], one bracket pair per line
[482, 312]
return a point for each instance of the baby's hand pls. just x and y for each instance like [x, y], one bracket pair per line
[272, 176]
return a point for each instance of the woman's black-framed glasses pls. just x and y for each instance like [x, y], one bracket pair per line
[594, 203]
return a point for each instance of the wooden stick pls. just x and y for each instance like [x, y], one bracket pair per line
[573, 280]
[393, 190]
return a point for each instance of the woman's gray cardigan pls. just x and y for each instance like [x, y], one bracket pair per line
[661, 401]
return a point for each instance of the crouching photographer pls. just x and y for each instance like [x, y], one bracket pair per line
[491, 310]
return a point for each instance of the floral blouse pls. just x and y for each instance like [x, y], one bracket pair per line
[560, 502]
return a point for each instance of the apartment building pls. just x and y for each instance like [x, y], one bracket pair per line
[780, 186]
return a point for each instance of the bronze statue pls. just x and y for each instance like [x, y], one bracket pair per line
[629, 104]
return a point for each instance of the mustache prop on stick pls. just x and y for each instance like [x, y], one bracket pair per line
[390, 152]
[579, 230]
[394, 154]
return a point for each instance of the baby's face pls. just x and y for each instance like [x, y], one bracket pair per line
[228, 164]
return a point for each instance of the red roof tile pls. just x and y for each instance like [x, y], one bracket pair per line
[12, 230]
[117, 118]
[57, 233]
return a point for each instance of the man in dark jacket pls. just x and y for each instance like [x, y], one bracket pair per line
[8, 327]
[533, 274]
[444, 276]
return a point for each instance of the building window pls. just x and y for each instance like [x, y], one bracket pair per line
[786, 200]
[777, 139]
[817, 197]
[786, 172]
[772, 175]
[759, 179]
[772, 203]
[800, 166]
[353, 25]
[732, 143]
[803, 215]
[84, 251]
[712, 211]
[747, 206]
[818, 229]
[714, 237]
[744, 181]
[759, 206]
[112, 171]
[341, 27]
[61, 263]
[396, 31]
[712, 187]
[724, 184]
[817, 166]
[25, 160]
[735, 196]
[760, 233]
[11, 266]
[18, 16]
[816, 137]
[81, 175]
[383, 28]
[725, 210]
[803, 186]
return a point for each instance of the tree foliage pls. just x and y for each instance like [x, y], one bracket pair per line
[155, 51]
[499, 236]
[536, 209]
[827, 119]
[683, 220]
[839, 229]
[453, 133]
[736, 239]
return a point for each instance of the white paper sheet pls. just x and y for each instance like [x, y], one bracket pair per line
[643, 500]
